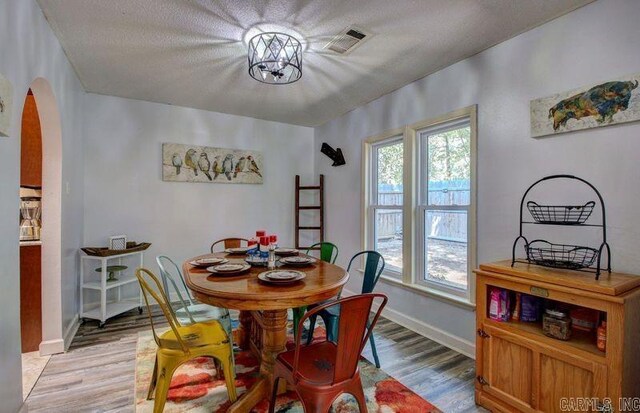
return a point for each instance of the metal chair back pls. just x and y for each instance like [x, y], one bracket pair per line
[229, 243]
[150, 286]
[354, 330]
[373, 267]
[327, 251]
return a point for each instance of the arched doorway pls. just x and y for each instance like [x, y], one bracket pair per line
[30, 224]
[51, 233]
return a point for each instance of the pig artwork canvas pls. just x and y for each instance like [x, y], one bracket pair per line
[604, 104]
[192, 163]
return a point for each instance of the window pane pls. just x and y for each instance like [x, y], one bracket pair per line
[388, 237]
[445, 253]
[449, 166]
[389, 173]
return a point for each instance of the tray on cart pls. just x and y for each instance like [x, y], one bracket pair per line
[106, 252]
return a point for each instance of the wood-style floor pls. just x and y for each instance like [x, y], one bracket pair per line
[97, 373]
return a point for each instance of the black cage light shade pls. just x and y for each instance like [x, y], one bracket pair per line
[275, 58]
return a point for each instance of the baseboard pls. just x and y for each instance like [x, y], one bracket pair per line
[51, 347]
[433, 333]
[71, 331]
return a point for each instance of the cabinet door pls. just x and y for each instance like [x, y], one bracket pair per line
[534, 377]
[565, 380]
[508, 369]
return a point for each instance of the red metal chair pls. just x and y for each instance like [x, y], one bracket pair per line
[321, 371]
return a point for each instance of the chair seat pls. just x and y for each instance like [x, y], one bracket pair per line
[329, 310]
[206, 310]
[316, 362]
[195, 335]
[204, 313]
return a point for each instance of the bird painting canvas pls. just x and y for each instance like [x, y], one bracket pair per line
[601, 104]
[192, 163]
[6, 98]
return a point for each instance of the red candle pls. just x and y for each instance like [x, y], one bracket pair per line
[273, 239]
[261, 233]
[253, 241]
[264, 240]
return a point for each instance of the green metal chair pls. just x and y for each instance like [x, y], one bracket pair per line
[327, 251]
[374, 265]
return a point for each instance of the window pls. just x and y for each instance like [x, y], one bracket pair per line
[444, 207]
[420, 203]
[386, 202]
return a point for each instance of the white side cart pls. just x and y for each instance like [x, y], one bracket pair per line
[114, 299]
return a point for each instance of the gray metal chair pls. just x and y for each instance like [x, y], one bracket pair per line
[190, 311]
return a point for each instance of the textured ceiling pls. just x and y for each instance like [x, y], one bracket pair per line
[191, 53]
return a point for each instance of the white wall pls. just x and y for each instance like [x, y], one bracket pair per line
[30, 50]
[595, 43]
[125, 194]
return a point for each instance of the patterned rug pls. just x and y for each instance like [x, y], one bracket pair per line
[195, 389]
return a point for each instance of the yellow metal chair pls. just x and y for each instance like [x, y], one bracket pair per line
[183, 343]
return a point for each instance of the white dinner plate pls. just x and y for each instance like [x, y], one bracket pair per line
[238, 250]
[282, 275]
[298, 261]
[229, 269]
[266, 277]
[286, 251]
[207, 262]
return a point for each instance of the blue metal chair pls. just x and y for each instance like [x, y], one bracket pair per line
[374, 265]
[190, 311]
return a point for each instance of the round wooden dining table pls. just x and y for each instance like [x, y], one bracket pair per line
[263, 310]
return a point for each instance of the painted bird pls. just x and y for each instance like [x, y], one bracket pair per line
[191, 160]
[240, 166]
[176, 160]
[227, 166]
[217, 167]
[253, 166]
[204, 165]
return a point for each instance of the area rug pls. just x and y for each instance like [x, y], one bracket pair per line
[194, 388]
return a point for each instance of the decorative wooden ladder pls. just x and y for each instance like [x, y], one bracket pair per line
[319, 208]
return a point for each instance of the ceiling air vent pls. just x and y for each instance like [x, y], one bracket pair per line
[347, 40]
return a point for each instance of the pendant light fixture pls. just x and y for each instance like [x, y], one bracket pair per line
[275, 58]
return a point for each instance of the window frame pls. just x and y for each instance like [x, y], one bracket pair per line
[423, 205]
[373, 207]
[412, 206]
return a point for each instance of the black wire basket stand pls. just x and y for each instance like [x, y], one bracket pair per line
[572, 257]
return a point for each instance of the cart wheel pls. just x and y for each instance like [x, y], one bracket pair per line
[139, 310]
[101, 325]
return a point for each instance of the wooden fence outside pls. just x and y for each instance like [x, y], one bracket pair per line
[448, 225]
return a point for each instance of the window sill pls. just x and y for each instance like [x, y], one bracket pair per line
[439, 295]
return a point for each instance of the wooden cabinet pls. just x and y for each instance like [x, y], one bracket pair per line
[30, 297]
[519, 369]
